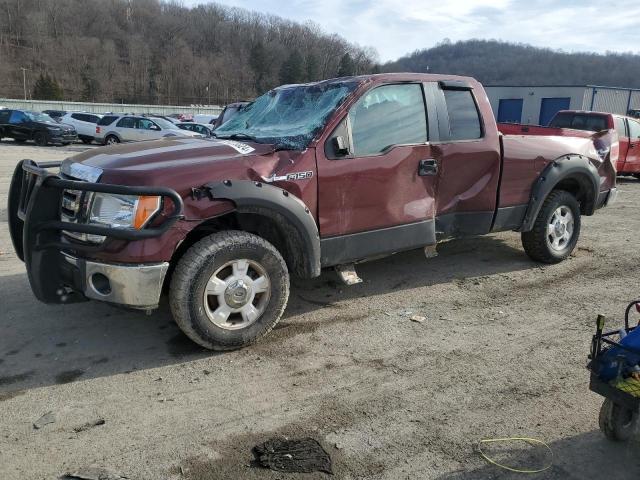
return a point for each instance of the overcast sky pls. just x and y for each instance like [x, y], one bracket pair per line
[398, 27]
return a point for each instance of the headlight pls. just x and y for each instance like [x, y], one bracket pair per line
[54, 129]
[123, 211]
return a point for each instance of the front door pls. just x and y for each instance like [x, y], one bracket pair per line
[377, 194]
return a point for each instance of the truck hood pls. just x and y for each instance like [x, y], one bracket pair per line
[179, 163]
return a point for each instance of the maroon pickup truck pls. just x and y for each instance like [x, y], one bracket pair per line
[307, 177]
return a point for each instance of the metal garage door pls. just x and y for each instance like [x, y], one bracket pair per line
[510, 110]
[550, 106]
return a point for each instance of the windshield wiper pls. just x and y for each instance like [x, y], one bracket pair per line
[238, 136]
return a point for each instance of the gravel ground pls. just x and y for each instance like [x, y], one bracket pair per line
[501, 353]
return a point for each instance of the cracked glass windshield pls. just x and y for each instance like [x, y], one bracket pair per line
[289, 116]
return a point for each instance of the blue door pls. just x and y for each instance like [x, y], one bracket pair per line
[551, 106]
[510, 110]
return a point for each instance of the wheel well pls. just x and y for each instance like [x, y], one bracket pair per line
[271, 226]
[581, 188]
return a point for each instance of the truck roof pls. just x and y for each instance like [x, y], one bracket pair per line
[388, 77]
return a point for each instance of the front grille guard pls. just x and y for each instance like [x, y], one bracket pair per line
[35, 198]
[34, 202]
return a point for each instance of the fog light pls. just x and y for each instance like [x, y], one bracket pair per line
[100, 283]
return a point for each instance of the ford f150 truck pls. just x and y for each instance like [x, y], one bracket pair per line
[584, 123]
[310, 176]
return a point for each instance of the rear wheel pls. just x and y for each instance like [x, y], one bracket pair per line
[617, 423]
[41, 139]
[228, 290]
[556, 229]
[111, 140]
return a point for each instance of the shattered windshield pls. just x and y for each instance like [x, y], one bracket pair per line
[287, 116]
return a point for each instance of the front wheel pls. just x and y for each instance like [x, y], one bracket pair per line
[556, 230]
[616, 422]
[41, 139]
[229, 290]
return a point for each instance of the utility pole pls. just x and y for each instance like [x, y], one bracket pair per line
[24, 81]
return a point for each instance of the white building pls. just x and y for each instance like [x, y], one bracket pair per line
[536, 105]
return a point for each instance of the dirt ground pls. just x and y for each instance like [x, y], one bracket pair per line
[502, 353]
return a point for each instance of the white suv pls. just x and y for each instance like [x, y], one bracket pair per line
[84, 123]
[132, 128]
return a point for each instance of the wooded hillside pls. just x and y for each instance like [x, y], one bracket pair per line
[150, 51]
[500, 63]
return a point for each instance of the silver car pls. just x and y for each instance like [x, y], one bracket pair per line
[133, 128]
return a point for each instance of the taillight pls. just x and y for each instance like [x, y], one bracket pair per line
[97, 129]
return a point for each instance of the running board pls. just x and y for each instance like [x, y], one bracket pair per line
[347, 274]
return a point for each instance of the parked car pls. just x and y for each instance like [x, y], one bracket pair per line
[230, 111]
[205, 118]
[201, 128]
[634, 113]
[585, 123]
[84, 123]
[55, 114]
[309, 176]
[181, 117]
[127, 128]
[24, 125]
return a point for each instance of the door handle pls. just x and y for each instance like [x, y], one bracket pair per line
[428, 167]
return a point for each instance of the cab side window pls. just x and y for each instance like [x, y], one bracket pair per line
[386, 116]
[620, 127]
[4, 116]
[464, 119]
[634, 130]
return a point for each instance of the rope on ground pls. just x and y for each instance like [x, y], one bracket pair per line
[515, 439]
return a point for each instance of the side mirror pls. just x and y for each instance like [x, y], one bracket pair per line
[340, 145]
[155, 128]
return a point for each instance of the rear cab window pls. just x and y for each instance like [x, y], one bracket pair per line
[464, 118]
[580, 121]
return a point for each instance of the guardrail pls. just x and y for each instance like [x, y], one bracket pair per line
[40, 105]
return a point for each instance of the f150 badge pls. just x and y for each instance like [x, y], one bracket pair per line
[289, 177]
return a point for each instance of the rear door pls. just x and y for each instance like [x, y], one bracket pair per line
[377, 195]
[126, 129]
[468, 155]
[632, 163]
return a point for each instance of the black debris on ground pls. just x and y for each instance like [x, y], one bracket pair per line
[88, 425]
[301, 456]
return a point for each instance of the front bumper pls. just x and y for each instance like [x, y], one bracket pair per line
[55, 267]
[63, 137]
[135, 286]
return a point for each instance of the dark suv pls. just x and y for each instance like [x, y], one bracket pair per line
[23, 125]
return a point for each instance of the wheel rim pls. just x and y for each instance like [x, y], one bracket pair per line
[237, 294]
[560, 228]
[111, 141]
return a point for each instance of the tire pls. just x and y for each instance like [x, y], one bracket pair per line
[41, 139]
[202, 316]
[111, 140]
[543, 244]
[617, 423]
[637, 175]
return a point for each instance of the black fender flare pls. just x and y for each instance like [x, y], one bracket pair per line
[576, 167]
[251, 197]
